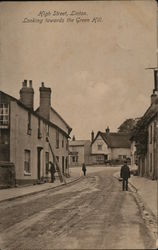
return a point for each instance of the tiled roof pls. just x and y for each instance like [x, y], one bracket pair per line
[79, 142]
[116, 140]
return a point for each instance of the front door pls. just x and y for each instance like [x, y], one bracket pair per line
[39, 162]
[63, 164]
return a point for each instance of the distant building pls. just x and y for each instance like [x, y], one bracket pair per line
[107, 146]
[23, 133]
[79, 152]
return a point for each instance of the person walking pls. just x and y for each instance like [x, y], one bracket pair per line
[125, 174]
[84, 169]
[52, 171]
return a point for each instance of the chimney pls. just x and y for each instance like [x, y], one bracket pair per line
[27, 94]
[107, 130]
[154, 95]
[92, 136]
[45, 101]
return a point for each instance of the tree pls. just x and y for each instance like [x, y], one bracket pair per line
[127, 126]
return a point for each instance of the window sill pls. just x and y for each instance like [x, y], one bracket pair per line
[27, 174]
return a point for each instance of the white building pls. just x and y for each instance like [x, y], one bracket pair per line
[108, 146]
[23, 134]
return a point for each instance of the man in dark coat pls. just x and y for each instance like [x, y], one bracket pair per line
[125, 174]
[52, 171]
[84, 168]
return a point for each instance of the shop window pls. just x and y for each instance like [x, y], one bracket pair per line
[27, 162]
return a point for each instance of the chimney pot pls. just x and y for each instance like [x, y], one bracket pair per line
[24, 83]
[45, 101]
[27, 94]
[30, 82]
[107, 130]
[92, 135]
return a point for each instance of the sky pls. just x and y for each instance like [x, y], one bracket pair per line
[95, 64]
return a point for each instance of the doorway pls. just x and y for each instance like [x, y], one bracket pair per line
[39, 162]
[63, 164]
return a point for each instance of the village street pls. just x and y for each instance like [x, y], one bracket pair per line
[92, 213]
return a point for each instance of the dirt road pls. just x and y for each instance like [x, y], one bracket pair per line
[92, 213]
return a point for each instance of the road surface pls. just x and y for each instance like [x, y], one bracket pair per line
[93, 213]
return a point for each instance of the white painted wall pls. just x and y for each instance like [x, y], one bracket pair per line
[115, 152]
[20, 141]
[105, 149]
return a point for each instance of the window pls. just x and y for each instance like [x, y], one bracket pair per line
[47, 129]
[57, 157]
[29, 124]
[57, 139]
[67, 144]
[66, 162]
[47, 162]
[4, 115]
[74, 158]
[99, 147]
[39, 129]
[63, 141]
[151, 134]
[99, 158]
[27, 167]
[151, 162]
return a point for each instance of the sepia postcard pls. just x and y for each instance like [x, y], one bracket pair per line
[78, 125]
